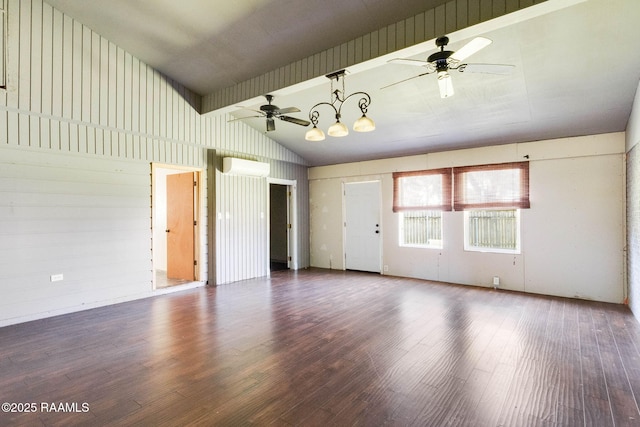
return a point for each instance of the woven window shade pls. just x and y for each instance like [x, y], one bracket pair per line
[422, 190]
[504, 185]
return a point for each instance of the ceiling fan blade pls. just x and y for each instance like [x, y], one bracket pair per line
[486, 68]
[288, 110]
[469, 49]
[414, 62]
[249, 109]
[242, 118]
[406, 80]
[295, 120]
[271, 124]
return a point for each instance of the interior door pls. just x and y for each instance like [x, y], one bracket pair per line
[362, 226]
[180, 226]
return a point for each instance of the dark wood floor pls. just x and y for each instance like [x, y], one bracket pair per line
[323, 347]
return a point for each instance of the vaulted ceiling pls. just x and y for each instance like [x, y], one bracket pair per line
[577, 67]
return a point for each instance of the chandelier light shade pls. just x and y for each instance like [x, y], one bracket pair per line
[338, 129]
[314, 134]
[338, 98]
[364, 124]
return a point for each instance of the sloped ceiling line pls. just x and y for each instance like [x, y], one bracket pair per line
[443, 19]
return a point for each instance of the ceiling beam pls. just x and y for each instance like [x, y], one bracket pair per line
[444, 19]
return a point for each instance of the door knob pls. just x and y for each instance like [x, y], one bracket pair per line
[167, 230]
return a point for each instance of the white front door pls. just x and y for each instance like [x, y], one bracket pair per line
[362, 226]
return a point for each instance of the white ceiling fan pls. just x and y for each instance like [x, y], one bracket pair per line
[445, 60]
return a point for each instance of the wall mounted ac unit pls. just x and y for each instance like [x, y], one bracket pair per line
[235, 166]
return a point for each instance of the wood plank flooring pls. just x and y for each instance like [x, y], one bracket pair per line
[319, 347]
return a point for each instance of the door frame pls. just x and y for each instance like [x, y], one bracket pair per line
[198, 215]
[293, 220]
[344, 220]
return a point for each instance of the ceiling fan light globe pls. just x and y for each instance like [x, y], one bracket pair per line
[338, 129]
[314, 134]
[364, 124]
[445, 84]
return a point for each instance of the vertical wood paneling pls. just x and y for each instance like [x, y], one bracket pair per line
[119, 89]
[112, 81]
[66, 71]
[94, 71]
[127, 70]
[76, 71]
[87, 66]
[57, 64]
[103, 94]
[24, 59]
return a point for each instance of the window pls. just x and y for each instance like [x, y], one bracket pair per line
[421, 229]
[492, 230]
[420, 197]
[491, 197]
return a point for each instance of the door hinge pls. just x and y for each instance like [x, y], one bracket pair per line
[195, 262]
[195, 222]
[195, 183]
[289, 258]
[288, 225]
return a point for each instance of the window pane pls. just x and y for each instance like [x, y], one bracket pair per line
[493, 229]
[421, 228]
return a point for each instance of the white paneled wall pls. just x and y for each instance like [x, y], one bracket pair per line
[573, 236]
[81, 121]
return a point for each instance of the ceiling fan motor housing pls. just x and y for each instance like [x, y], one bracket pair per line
[440, 59]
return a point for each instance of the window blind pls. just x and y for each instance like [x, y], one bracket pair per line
[422, 190]
[504, 185]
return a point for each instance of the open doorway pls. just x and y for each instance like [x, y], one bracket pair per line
[175, 226]
[282, 225]
[278, 227]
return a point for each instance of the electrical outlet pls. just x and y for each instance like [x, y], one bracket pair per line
[57, 277]
[496, 281]
[385, 268]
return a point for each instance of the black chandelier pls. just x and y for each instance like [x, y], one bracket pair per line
[338, 98]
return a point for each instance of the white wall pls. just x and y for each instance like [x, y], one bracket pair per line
[81, 121]
[633, 205]
[572, 237]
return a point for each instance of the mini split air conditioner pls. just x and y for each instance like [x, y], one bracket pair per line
[234, 166]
